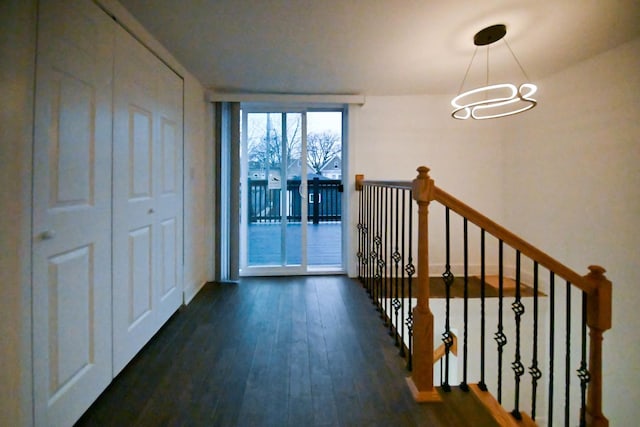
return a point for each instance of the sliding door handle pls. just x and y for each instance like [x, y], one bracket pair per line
[302, 190]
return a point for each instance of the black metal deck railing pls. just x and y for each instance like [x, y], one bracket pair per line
[324, 201]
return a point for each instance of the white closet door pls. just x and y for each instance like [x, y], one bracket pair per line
[147, 197]
[169, 200]
[72, 210]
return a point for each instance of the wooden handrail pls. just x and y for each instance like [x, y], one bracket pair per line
[390, 184]
[360, 182]
[492, 228]
[512, 240]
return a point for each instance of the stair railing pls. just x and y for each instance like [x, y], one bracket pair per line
[386, 253]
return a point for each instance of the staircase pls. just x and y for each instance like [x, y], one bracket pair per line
[531, 354]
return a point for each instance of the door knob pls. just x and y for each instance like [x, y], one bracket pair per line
[47, 235]
[150, 211]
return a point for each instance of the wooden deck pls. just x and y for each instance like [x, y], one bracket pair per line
[298, 351]
[324, 244]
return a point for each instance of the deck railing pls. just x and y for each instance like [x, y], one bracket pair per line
[324, 201]
[537, 310]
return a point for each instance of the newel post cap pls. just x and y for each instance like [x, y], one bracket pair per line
[423, 186]
[599, 302]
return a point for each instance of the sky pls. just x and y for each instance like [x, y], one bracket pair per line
[324, 120]
[317, 121]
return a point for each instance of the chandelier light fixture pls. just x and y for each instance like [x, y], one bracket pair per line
[496, 100]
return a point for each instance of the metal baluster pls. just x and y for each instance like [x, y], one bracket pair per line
[533, 369]
[359, 254]
[402, 283]
[447, 277]
[396, 260]
[552, 313]
[518, 368]
[411, 270]
[567, 377]
[583, 373]
[379, 250]
[366, 238]
[376, 246]
[385, 311]
[500, 338]
[463, 384]
[482, 385]
[370, 232]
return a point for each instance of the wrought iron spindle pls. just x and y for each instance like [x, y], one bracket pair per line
[447, 277]
[381, 263]
[500, 338]
[552, 314]
[402, 283]
[465, 339]
[387, 225]
[360, 234]
[365, 192]
[396, 262]
[583, 372]
[567, 368]
[533, 369]
[482, 384]
[518, 368]
[411, 270]
[370, 232]
[375, 253]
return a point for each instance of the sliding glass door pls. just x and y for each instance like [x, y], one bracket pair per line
[291, 191]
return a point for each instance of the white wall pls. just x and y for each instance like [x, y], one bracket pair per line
[572, 178]
[392, 136]
[17, 65]
[198, 188]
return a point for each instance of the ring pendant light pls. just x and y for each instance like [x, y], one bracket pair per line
[493, 101]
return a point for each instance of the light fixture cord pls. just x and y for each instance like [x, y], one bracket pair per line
[487, 84]
[467, 73]
[517, 62]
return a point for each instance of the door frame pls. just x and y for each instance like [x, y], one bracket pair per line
[303, 269]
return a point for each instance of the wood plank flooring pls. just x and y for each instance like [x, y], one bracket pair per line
[297, 351]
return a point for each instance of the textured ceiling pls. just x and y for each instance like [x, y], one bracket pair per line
[378, 47]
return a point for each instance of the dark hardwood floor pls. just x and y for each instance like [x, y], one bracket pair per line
[297, 351]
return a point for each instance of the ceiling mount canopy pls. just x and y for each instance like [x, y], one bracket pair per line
[496, 100]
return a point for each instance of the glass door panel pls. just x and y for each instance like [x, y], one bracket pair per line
[275, 179]
[324, 157]
[295, 184]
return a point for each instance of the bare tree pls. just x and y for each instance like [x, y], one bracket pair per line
[322, 147]
[265, 143]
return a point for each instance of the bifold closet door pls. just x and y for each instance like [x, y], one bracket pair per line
[72, 210]
[147, 197]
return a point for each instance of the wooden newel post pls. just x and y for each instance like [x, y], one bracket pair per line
[599, 307]
[421, 380]
[359, 180]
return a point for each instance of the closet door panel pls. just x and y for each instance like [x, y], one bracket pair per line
[134, 223]
[72, 210]
[169, 200]
[147, 201]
